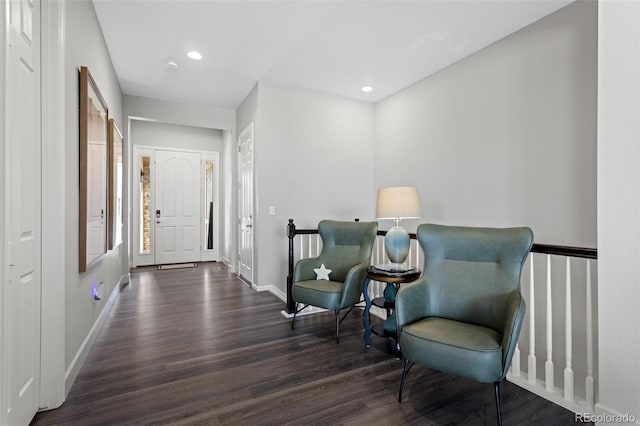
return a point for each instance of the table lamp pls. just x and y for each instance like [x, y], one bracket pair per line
[398, 202]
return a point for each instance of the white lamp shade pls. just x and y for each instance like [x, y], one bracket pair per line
[398, 202]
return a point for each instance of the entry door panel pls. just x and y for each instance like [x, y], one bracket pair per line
[21, 291]
[177, 214]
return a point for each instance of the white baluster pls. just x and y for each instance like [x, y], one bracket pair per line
[302, 247]
[515, 361]
[416, 251]
[589, 383]
[310, 246]
[531, 368]
[410, 260]
[548, 365]
[568, 371]
[384, 260]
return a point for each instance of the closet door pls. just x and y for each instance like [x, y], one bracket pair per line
[21, 286]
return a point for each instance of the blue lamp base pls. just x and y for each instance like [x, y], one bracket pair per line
[397, 244]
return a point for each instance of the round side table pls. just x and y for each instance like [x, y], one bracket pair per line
[393, 279]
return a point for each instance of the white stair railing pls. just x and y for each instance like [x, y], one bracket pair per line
[574, 389]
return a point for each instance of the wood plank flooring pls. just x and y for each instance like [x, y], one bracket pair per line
[199, 347]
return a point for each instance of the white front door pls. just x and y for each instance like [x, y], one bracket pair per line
[21, 287]
[177, 207]
[96, 208]
[245, 179]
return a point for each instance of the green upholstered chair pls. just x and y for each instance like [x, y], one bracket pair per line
[346, 251]
[463, 316]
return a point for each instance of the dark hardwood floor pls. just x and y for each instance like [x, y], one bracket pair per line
[199, 347]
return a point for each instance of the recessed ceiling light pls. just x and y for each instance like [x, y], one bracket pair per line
[367, 88]
[194, 55]
[172, 65]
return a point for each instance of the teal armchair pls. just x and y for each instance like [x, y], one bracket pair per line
[463, 316]
[346, 251]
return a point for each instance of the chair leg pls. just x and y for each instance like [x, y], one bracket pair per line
[296, 313]
[339, 321]
[405, 370]
[497, 392]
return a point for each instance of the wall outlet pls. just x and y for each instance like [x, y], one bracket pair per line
[272, 211]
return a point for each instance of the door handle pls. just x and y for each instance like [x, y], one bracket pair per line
[158, 214]
[249, 226]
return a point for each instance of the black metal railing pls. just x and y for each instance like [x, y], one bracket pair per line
[292, 231]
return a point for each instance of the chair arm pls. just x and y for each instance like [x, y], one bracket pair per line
[411, 303]
[354, 284]
[304, 269]
[514, 317]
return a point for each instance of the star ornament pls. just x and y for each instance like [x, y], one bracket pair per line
[322, 273]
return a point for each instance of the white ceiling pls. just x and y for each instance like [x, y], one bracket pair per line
[329, 46]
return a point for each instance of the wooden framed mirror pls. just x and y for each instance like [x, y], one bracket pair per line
[93, 172]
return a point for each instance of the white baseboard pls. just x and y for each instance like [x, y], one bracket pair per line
[308, 311]
[271, 288]
[282, 296]
[377, 312]
[78, 360]
[605, 415]
[228, 264]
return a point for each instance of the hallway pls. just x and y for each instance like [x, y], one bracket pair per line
[197, 346]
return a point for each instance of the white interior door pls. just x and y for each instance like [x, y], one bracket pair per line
[245, 181]
[21, 287]
[177, 201]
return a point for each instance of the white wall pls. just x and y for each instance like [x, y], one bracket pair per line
[505, 136]
[164, 135]
[85, 46]
[314, 161]
[247, 111]
[619, 207]
[179, 113]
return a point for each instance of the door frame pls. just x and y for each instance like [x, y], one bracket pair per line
[52, 358]
[214, 254]
[139, 259]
